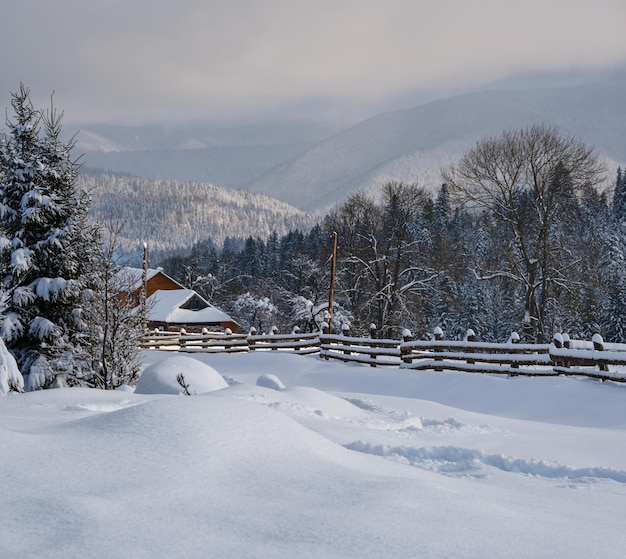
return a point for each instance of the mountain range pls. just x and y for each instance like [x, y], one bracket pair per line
[313, 167]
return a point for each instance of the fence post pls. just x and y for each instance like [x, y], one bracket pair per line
[345, 331]
[372, 344]
[514, 339]
[181, 338]
[438, 335]
[325, 329]
[251, 342]
[274, 332]
[567, 344]
[205, 341]
[598, 345]
[470, 336]
[557, 340]
[406, 354]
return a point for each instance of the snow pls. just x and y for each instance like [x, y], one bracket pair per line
[10, 376]
[270, 381]
[21, 260]
[343, 461]
[162, 377]
[49, 288]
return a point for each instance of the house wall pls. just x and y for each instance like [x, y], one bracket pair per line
[161, 281]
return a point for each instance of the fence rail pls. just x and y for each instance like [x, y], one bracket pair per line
[370, 351]
[303, 344]
[593, 359]
[477, 357]
[208, 342]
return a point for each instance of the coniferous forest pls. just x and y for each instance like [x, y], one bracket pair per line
[519, 237]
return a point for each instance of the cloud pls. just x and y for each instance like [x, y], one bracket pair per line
[159, 59]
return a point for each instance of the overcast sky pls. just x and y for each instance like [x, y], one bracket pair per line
[138, 60]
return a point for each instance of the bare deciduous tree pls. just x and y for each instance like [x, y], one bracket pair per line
[381, 252]
[530, 180]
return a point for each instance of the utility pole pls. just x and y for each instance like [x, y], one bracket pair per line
[144, 289]
[331, 295]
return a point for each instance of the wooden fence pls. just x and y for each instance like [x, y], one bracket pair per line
[563, 356]
[218, 342]
[370, 351]
[595, 359]
[477, 357]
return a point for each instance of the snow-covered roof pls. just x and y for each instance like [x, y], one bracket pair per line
[166, 307]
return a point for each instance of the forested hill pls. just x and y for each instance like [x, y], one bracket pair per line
[172, 215]
[413, 145]
[316, 167]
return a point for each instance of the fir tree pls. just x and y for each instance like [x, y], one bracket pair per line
[619, 196]
[46, 246]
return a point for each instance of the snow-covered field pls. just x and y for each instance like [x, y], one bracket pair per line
[346, 461]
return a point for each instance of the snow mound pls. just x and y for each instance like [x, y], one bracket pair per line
[300, 401]
[125, 388]
[270, 381]
[162, 377]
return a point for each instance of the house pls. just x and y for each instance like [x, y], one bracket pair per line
[171, 306]
[156, 279]
[174, 309]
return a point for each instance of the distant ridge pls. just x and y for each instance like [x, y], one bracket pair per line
[314, 167]
[412, 145]
[224, 156]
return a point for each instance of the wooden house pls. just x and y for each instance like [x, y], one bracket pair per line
[171, 306]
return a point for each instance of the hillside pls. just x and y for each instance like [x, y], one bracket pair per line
[225, 156]
[313, 167]
[171, 215]
[232, 166]
[414, 144]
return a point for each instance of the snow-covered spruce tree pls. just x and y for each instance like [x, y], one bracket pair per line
[46, 247]
[619, 196]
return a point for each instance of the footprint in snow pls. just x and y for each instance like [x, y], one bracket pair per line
[465, 462]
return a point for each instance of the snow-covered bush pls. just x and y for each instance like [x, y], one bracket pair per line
[255, 311]
[10, 377]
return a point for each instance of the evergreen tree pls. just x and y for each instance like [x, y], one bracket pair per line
[46, 246]
[611, 270]
[619, 196]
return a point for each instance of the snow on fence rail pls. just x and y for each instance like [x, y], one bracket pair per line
[510, 358]
[301, 343]
[208, 342]
[370, 351]
[227, 342]
[594, 358]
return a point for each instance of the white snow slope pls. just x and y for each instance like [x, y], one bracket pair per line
[345, 461]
